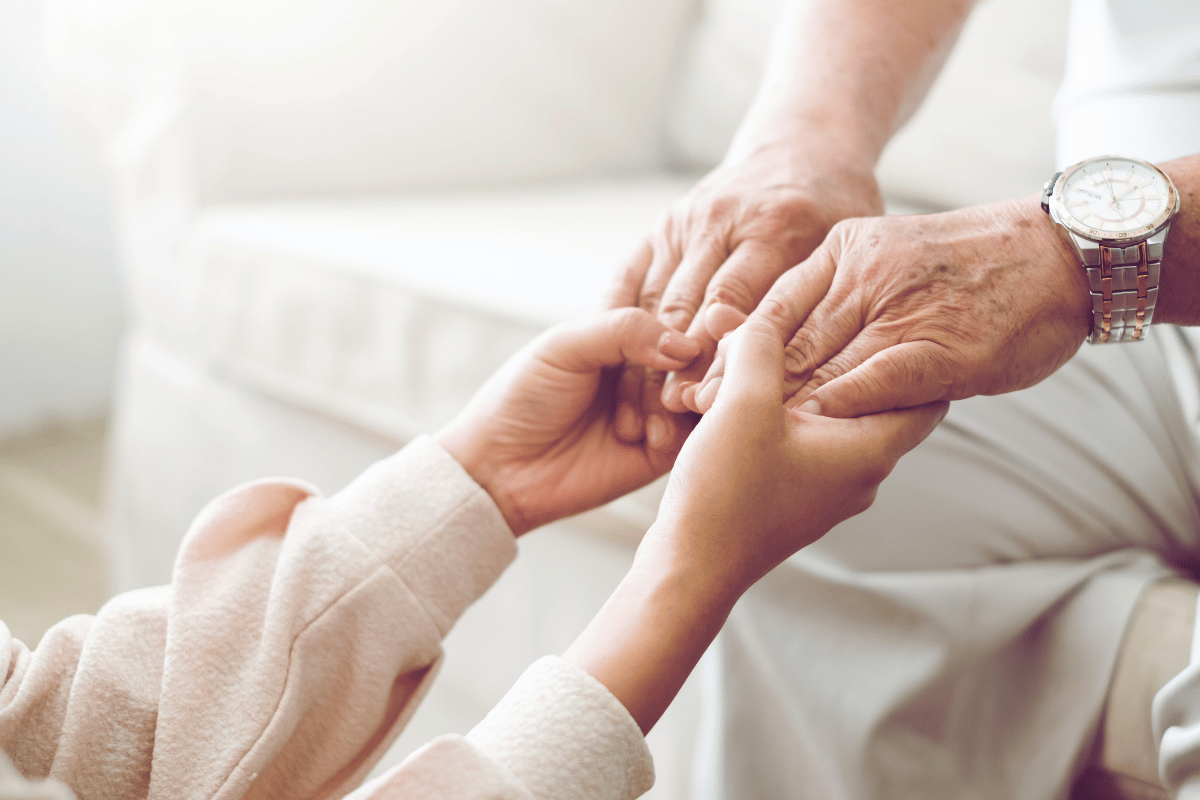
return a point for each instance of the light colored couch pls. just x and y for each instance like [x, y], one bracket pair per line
[338, 218]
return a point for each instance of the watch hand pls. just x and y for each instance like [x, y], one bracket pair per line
[1111, 191]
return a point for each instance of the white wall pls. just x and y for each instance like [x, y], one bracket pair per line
[60, 298]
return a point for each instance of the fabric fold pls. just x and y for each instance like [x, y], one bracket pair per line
[566, 737]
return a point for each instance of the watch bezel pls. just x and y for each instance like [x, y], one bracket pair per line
[1140, 234]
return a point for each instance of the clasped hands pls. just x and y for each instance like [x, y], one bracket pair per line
[819, 351]
[753, 483]
[874, 313]
[880, 314]
[812, 385]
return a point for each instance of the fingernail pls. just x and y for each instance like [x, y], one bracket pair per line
[656, 432]
[810, 406]
[708, 394]
[687, 396]
[672, 394]
[628, 424]
[676, 345]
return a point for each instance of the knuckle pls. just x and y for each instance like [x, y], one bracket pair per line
[844, 229]
[705, 245]
[829, 371]
[798, 352]
[792, 208]
[937, 366]
[774, 310]
[626, 318]
[676, 303]
[874, 382]
[651, 296]
[732, 290]
[939, 362]
[624, 322]
[846, 233]
[721, 206]
[795, 361]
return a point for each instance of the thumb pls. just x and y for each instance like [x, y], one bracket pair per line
[894, 433]
[615, 337]
[753, 365]
[720, 319]
[901, 376]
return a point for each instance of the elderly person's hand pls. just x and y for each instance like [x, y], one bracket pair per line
[726, 242]
[753, 484]
[538, 436]
[898, 311]
[803, 158]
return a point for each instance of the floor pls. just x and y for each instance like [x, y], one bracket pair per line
[51, 561]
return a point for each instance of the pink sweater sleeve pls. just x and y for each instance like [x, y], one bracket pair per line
[295, 641]
[558, 734]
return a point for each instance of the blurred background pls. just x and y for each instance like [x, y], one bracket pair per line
[61, 317]
[253, 238]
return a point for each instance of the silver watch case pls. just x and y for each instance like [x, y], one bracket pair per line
[1079, 231]
[1123, 247]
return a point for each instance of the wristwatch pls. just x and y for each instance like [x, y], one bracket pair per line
[1117, 211]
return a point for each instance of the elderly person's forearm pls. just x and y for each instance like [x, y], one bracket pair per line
[847, 74]
[842, 77]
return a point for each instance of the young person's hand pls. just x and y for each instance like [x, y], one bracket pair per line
[755, 482]
[539, 435]
[758, 480]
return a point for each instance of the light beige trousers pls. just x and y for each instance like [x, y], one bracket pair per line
[958, 639]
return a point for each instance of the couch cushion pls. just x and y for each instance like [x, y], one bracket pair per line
[389, 313]
[984, 133]
[312, 96]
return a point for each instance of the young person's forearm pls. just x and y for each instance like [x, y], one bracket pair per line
[847, 74]
[652, 631]
[1179, 287]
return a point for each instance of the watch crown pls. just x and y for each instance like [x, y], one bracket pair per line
[1046, 188]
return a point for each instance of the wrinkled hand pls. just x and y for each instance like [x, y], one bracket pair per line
[726, 242]
[892, 312]
[538, 436]
[757, 481]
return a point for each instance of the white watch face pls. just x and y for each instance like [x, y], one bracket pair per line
[1112, 198]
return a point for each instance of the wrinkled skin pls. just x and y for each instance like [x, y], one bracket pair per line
[725, 243]
[891, 312]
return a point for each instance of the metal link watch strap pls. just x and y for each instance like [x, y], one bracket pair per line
[1124, 287]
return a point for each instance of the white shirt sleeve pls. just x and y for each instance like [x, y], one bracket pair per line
[1176, 721]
